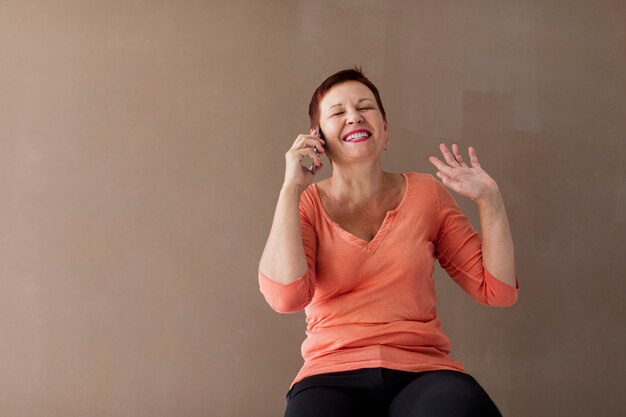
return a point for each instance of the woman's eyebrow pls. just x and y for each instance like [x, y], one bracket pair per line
[360, 100]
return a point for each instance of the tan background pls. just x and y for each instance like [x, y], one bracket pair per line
[142, 150]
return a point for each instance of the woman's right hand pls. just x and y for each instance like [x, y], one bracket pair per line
[295, 173]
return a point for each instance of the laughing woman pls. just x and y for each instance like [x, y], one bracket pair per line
[356, 251]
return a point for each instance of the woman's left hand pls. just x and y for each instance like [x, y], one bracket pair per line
[472, 182]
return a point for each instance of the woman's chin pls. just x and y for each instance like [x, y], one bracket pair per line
[362, 156]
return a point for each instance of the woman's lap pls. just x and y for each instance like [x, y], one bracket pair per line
[381, 392]
[337, 394]
[443, 393]
[330, 402]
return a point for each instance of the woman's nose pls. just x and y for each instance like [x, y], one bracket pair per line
[354, 116]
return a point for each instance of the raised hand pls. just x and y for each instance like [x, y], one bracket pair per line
[469, 181]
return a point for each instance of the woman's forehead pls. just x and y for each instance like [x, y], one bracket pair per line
[347, 92]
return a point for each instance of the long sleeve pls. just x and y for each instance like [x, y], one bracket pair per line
[295, 296]
[458, 247]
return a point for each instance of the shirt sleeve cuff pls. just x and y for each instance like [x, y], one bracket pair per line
[500, 293]
[282, 298]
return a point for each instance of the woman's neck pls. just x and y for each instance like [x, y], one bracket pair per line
[358, 183]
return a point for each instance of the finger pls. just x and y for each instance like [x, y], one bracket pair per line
[316, 164]
[307, 140]
[320, 147]
[314, 141]
[308, 152]
[443, 177]
[457, 155]
[448, 156]
[299, 153]
[446, 169]
[316, 132]
[474, 158]
[317, 168]
[316, 160]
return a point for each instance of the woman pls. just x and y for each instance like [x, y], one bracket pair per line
[357, 252]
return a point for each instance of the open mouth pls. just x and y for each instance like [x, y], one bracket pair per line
[360, 135]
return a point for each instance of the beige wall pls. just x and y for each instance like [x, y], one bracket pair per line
[141, 153]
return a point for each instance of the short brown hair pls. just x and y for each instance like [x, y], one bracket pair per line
[354, 74]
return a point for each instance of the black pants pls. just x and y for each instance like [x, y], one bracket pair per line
[381, 392]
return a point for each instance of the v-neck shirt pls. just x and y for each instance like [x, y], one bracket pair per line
[373, 244]
[373, 304]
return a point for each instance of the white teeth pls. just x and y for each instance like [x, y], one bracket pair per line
[356, 136]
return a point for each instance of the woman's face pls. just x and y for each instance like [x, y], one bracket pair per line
[353, 126]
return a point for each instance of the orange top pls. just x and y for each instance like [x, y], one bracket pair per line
[372, 304]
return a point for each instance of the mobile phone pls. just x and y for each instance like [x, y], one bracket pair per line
[319, 134]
